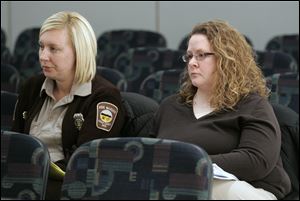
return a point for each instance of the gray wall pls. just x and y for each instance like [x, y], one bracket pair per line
[259, 20]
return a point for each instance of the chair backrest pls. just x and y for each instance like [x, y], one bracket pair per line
[275, 62]
[286, 43]
[24, 167]
[114, 76]
[138, 169]
[10, 78]
[112, 43]
[26, 41]
[285, 89]
[137, 63]
[8, 102]
[161, 84]
[140, 114]
[289, 125]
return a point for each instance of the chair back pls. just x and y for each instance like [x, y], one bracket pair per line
[138, 169]
[140, 112]
[112, 43]
[272, 62]
[161, 84]
[24, 167]
[8, 102]
[288, 43]
[137, 63]
[10, 78]
[285, 89]
[114, 76]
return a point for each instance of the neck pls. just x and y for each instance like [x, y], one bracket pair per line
[201, 98]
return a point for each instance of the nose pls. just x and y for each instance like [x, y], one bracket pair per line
[43, 54]
[193, 62]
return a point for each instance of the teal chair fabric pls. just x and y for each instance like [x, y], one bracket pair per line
[161, 84]
[114, 76]
[24, 167]
[272, 62]
[288, 43]
[137, 63]
[138, 169]
[8, 102]
[114, 42]
[285, 89]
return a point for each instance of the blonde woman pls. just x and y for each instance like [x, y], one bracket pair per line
[67, 104]
[222, 106]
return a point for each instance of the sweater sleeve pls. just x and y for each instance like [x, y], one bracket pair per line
[259, 147]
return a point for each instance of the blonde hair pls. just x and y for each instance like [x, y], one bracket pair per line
[83, 39]
[237, 73]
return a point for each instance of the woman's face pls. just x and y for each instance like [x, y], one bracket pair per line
[57, 55]
[201, 63]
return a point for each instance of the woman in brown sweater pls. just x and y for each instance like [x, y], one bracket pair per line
[223, 107]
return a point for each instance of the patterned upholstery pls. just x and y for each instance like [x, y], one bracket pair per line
[3, 38]
[140, 112]
[27, 40]
[24, 167]
[112, 43]
[10, 78]
[161, 84]
[8, 101]
[183, 43]
[29, 66]
[114, 76]
[285, 89]
[275, 62]
[138, 169]
[137, 63]
[286, 43]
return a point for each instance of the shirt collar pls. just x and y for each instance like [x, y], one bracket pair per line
[79, 90]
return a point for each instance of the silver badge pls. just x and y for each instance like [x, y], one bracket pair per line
[24, 114]
[78, 120]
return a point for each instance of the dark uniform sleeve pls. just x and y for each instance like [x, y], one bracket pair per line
[104, 117]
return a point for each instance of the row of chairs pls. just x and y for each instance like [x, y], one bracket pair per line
[129, 167]
[109, 169]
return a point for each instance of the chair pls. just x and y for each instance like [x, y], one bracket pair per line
[287, 43]
[138, 169]
[112, 43]
[10, 78]
[289, 124]
[3, 38]
[114, 76]
[272, 62]
[8, 101]
[161, 84]
[285, 89]
[24, 167]
[183, 44]
[27, 40]
[140, 114]
[137, 63]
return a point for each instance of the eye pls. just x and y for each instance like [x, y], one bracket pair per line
[201, 56]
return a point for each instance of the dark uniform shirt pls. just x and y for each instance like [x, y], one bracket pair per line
[245, 142]
[102, 113]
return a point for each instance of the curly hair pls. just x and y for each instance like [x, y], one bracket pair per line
[237, 73]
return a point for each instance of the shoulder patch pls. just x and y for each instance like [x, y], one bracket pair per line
[106, 115]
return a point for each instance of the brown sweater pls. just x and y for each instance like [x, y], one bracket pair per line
[102, 91]
[245, 142]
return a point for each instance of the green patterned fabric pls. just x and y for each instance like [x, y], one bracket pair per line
[112, 43]
[161, 84]
[137, 63]
[24, 167]
[138, 169]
